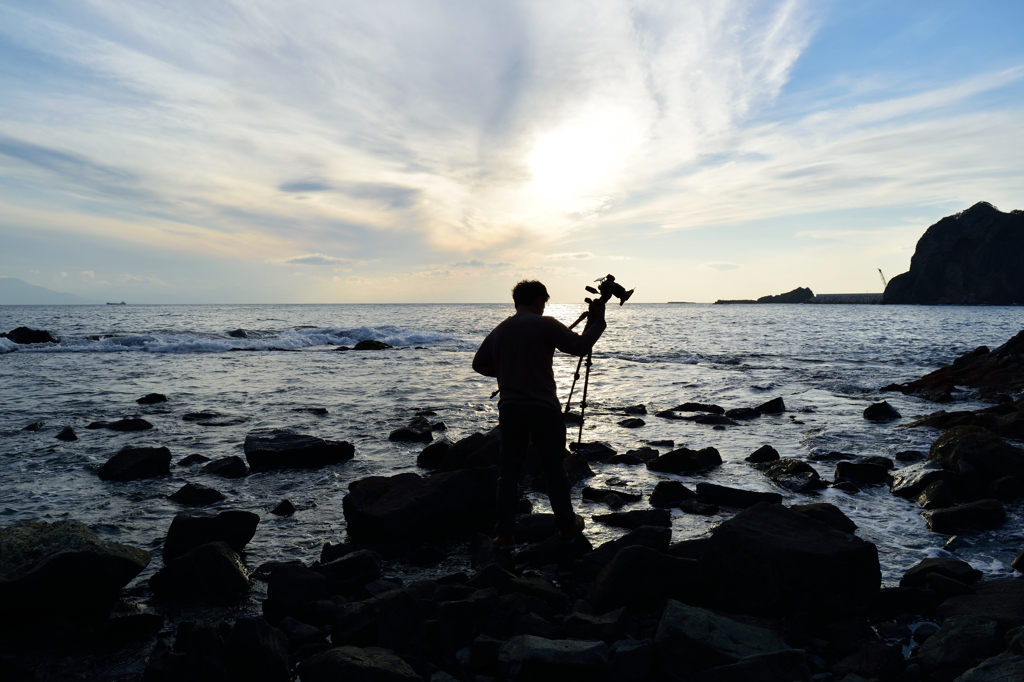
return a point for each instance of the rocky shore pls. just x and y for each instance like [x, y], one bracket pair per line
[774, 592]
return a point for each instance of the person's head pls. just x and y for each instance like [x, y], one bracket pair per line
[531, 295]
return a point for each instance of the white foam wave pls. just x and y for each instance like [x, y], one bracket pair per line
[6, 346]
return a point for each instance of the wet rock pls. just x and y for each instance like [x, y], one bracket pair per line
[129, 424]
[372, 664]
[636, 518]
[130, 620]
[97, 425]
[987, 453]
[635, 409]
[257, 652]
[632, 423]
[1010, 425]
[240, 333]
[789, 665]
[1005, 489]
[951, 568]
[25, 335]
[369, 344]
[593, 452]
[199, 416]
[351, 572]
[772, 560]
[432, 456]
[227, 467]
[1005, 666]
[212, 572]
[872, 661]
[698, 407]
[734, 497]
[407, 507]
[34, 426]
[909, 456]
[67, 434]
[882, 411]
[832, 456]
[627, 460]
[765, 453]
[393, 620]
[938, 495]
[236, 528]
[528, 657]
[130, 464]
[960, 643]
[910, 481]
[793, 475]
[62, 568]
[714, 420]
[652, 537]
[743, 413]
[690, 639]
[998, 600]
[283, 508]
[1018, 562]
[644, 454]
[613, 498]
[640, 578]
[689, 549]
[686, 461]
[773, 406]
[863, 473]
[828, 514]
[979, 514]
[631, 660]
[192, 459]
[284, 449]
[416, 431]
[846, 487]
[698, 508]
[668, 494]
[605, 628]
[195, 495]
[947, 587]
[291, 589]
[152, 399]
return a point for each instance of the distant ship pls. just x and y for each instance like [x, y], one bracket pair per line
[121, 303]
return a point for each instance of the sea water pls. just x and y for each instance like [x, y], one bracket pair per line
[826, 362]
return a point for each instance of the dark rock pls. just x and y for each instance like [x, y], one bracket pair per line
[593, 452]
[24, 335]
[998, 600]
[67, 434]
[210, 572]
[895, 601]
[909, 482]
[351, 572]
[734, 497]
[938, 495]
[1010, 425]
[846, 487]
[34, 426]
[602, 494]
[528, 657]
[535, 527]
[129, 424]
[432, 456]
[635, 409]
[773, 406]
[792, 474]
[960, 643]
[798, 295]
[644, 454]
[283, 508]
[689, 549]
[947, 587]
[862, 473]
[605, 628]
[195, 495]
[878, 460]
[788, 665]
[129, 620]
[417, 431]
[227, 467]
[393, 620]
[1005, 489]
[63, 569]
[257, 652]
[152, 399]
[283, 449]
[828, 514]
[291, 588]
[192, 459]
[1018, 562]
[199, 416]
[640, 578]
[686, 461]
[990, 455]
[668, 494]
[831, 456]
[240, 333]
[133, 463]
[627, 460]
[772, 560]
[965, 259]
[979, 514]
[765, 453]
[713, 420]
[909, 456]
[1005, 666]
[873, 661]
[97, 425]
[636, 518]
[407, 507]
[318, 411]
[632, 423]
[188, 532]
[690, 639]
[698, 508]
[358, 664]
[698, 407]
[631, 660]
[369, 344]
[652, 537]
[951, 568]
[743, 413]
[880, 412]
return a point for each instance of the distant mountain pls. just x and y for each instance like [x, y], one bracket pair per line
[14, 291]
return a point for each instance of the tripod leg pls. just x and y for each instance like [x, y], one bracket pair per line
[575, 378]
[583, 402]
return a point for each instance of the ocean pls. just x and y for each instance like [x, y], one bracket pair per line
[827, 362]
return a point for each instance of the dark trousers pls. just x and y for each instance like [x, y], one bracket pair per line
[521, 424]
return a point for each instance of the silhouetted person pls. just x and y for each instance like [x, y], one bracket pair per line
[519, 352]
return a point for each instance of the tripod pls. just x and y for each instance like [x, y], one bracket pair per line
[586, 378]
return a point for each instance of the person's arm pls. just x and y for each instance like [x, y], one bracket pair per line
[572, 343]
[483, 361]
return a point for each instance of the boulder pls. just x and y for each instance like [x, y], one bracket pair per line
[636, 518]
[232, 466]
[862, 473]
[133, 463]
[652, 537]
[62, 568]
[938, 495]
[690, 639]
[882, 411]
[698, 508]
[792, 474]
[874, 660]
[257, 652]
[67, 434]
[734, 497]
[433, 455]
[698, 407]
[1005, 489]
[370, 344]
[713, 420]
[771, 560]
[210, 572]
[632, 423]
[798, 295]
[393, 619]
[476, 450]
[194, 458]
[773, 406]
[998, 600]
[947, 566]
[640, 578]
[129, 424]
[743, 413]
[359, 664]
[593, 452]
[291, 587]
[787, 665]
[910, 481]
[24, 335]
[765, 453]
[283, 508]
[990, 455]
[686, 461]
[416, 431]
[407, 507]
[668, 494]
[828, 514]
[528, 657]
[152, 399]
[195, 495]
[960, 643]
[635, 409]
[284, 449]
[1006, 666]
[351, 572]
[968, 258]
[979, 514]
[187, 532]
[1010, 425]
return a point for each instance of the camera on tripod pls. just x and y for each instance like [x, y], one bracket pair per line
[608, 287]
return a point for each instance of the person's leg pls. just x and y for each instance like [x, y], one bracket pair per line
[515, 438]
[548, 435]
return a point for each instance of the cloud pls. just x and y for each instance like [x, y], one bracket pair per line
[721, 267]
[577, 255]
[475, 263]
[304, 186]
[618, 257]
[319, 259]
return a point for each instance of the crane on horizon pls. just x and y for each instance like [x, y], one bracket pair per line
[884, 283]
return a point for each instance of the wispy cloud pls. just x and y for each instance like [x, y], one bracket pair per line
[319, 259]
[575, 255]
[721, 267]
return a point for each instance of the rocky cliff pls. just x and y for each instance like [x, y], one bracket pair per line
[970, 258]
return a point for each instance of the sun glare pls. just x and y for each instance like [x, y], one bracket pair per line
[576, 159]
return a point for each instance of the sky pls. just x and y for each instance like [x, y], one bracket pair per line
[321, 151]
